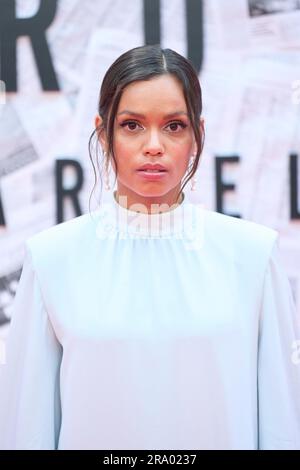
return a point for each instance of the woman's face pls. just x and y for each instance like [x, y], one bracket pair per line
[152, 127]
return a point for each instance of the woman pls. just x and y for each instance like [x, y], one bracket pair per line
[153, 323]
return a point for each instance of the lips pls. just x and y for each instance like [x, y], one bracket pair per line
[157, 168]
[153, 171]
[148, 173]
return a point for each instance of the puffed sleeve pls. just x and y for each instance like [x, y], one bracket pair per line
[278, 367]
[30, 411]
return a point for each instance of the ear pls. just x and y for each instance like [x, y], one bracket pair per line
[101, 132]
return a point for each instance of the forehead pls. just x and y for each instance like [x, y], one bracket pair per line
[164, 92]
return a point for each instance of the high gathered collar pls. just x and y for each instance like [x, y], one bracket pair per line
[181, 221]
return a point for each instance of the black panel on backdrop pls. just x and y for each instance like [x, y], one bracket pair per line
[71, 193]
[33, 27]
[194, 28]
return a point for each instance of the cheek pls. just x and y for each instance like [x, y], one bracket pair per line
[182, 147]
[123, 154]
[182, 166]
[181, 157]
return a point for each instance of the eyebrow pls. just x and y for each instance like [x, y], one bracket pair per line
[133, 113]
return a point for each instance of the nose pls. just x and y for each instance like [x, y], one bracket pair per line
[153, 144]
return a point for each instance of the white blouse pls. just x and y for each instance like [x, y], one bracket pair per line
[174, 330]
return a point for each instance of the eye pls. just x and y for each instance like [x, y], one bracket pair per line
[131, 125]
[176, 124]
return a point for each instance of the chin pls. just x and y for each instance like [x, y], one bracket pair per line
[154, 193]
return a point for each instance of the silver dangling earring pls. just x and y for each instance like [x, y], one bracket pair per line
[194, 179]
[106, 173]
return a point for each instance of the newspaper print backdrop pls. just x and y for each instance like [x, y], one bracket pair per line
[250, 77]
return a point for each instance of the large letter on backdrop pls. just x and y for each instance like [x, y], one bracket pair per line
[221, 187]
[72, 193]
[194, 27]
[34, 27]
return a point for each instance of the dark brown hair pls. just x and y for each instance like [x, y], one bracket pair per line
[144, 63]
